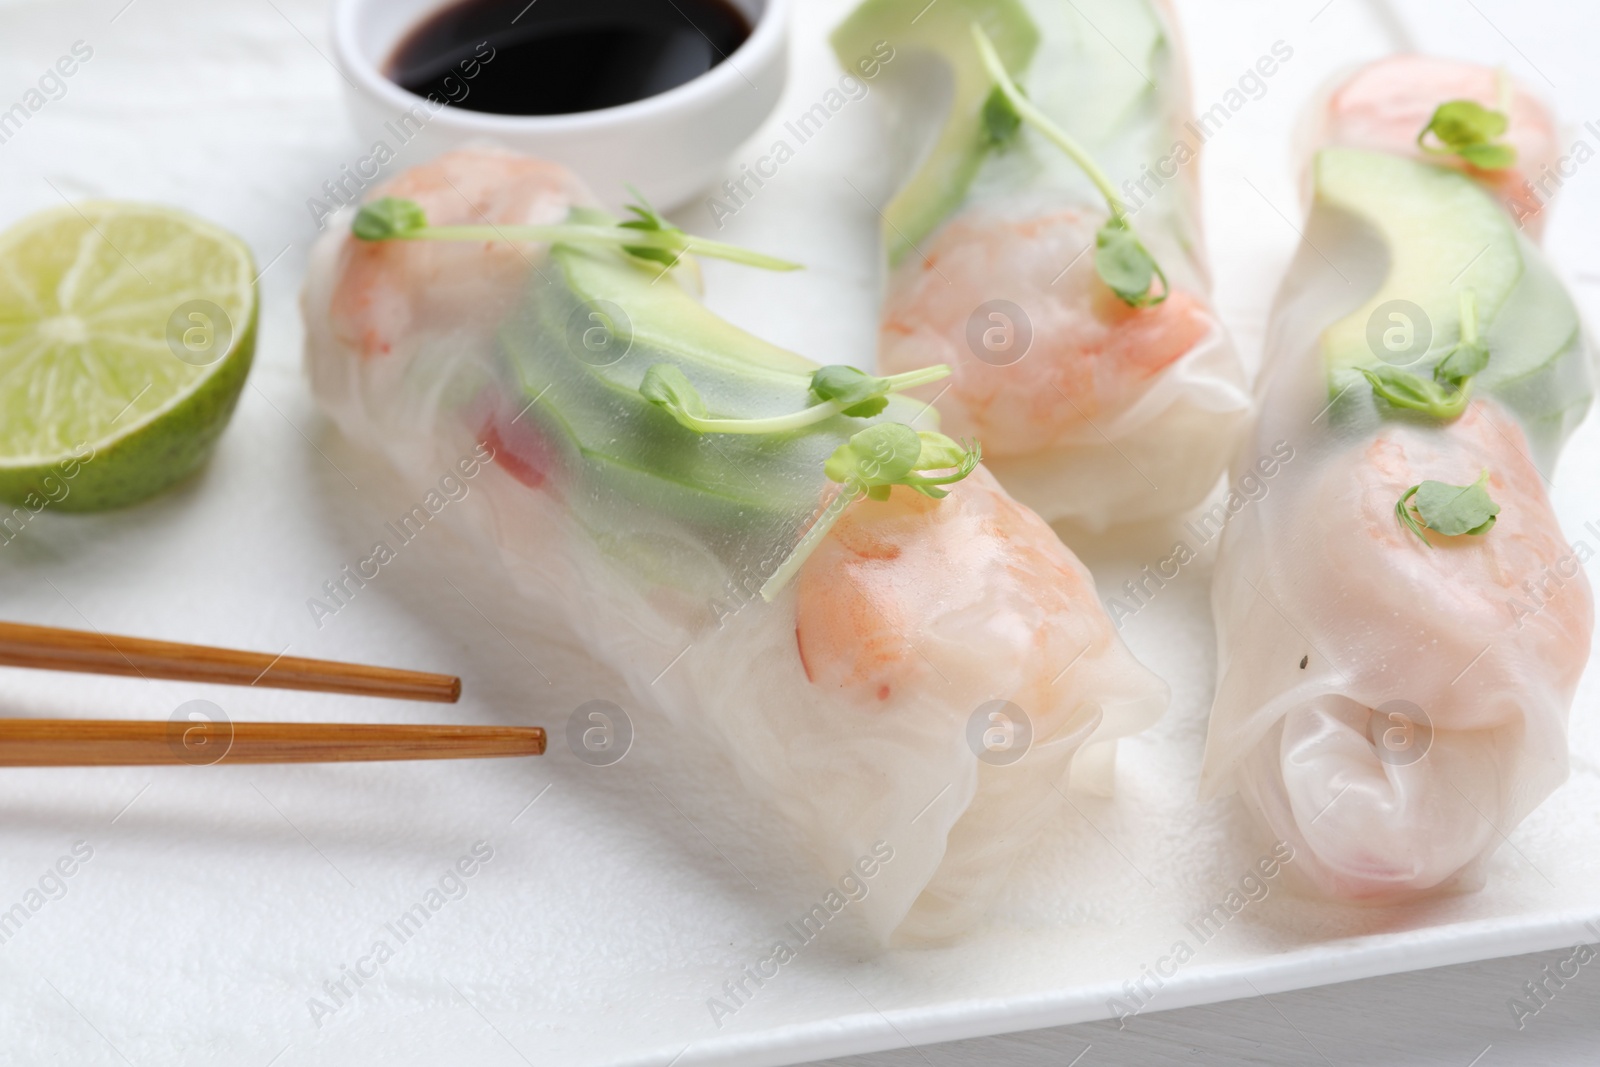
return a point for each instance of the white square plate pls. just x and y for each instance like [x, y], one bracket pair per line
[236, 915]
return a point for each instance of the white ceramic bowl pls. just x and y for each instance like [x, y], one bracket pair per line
[669, 145]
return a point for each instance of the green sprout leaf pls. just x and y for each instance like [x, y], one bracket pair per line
[863, 394]
[870, 464]
[880, 455]
[389, 218]
[892, 453]
[1466, 360]
[1470, 354]
[1001, 120]
[647, 218]
[1447, 394]
[1450, 510]
[1467, 129]
[1402, 389]
[944, 453]
[1454, 510]
[1463, 122]
[1126, 266]
[666, 386]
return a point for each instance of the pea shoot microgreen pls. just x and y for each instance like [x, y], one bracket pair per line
[870, 464]
[864, 394]
[1450, 510]
[647, 237]
[1121, 260]
[1001, 120]
[1470, 354]
[1402, 389]
[1445, 396]
[389, 218]
[649, 219]
[891, 453]
[1469, 130]
[835, 390]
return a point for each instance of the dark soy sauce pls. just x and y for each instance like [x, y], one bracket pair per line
[555, 57]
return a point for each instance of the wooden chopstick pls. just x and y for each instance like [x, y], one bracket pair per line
[116, 742]
[54, 649]
[113, 742]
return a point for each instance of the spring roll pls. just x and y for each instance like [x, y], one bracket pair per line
[1401, 622]
[670, 486]
[1096, 402]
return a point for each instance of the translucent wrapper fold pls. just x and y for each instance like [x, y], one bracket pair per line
[1089, 409]
[1391, 708]
[847, 703]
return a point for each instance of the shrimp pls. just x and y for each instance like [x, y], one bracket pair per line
[1385, 105]
[1442, 722]
[923, 615]
[1012, 603]
[1088, 357]
[387, 291]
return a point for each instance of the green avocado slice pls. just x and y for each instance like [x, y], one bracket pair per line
[944, 28]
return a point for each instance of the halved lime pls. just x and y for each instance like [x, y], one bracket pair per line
[126, 333]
